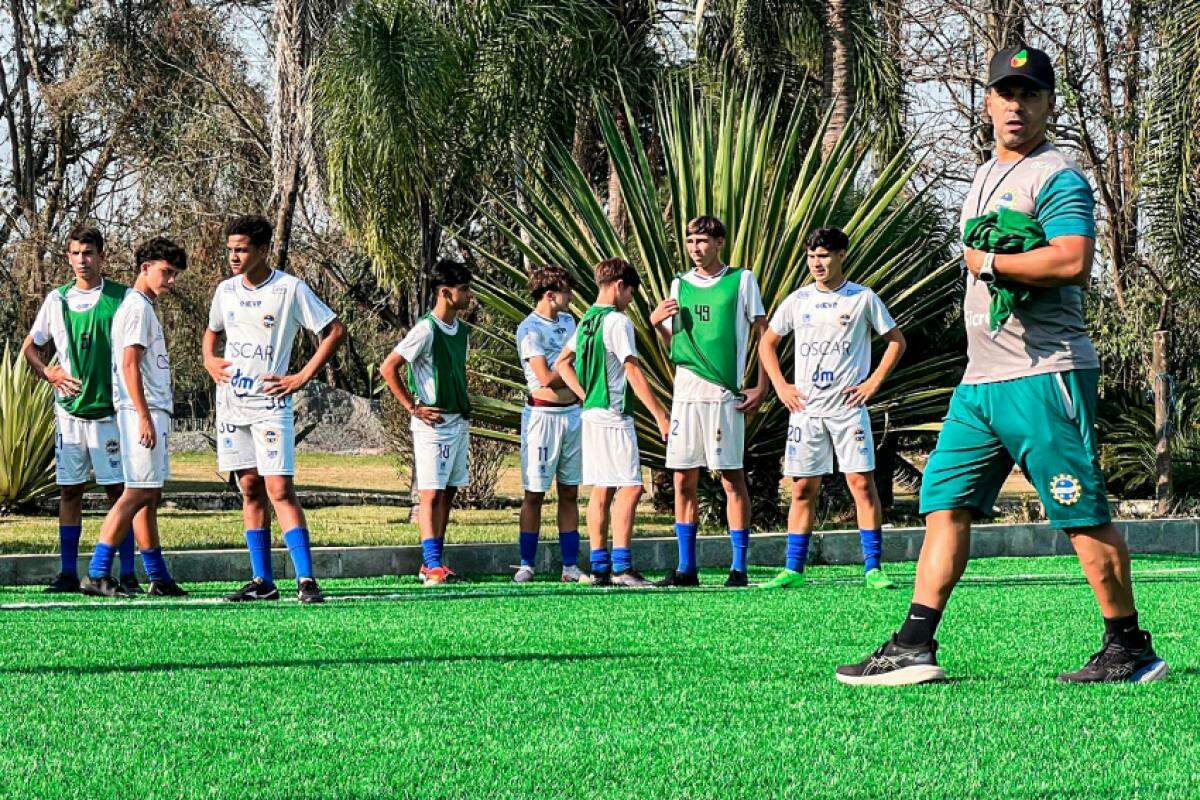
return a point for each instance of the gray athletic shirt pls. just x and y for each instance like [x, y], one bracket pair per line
[1047, 334]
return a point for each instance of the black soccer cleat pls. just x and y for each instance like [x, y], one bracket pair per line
[307, 591]
[894, 664]
[257, 589]
[679, 579]
[63, 584]
[602, 579]
[167, 588]
[1115, 663]
[106, 586]
[131, 586]
[737, 579]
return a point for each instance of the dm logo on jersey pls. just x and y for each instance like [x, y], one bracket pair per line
[112, 447]
[269, 320]
[241, 384]
[271, 437]
[1065, 489]
[844, 320]
[822, 378]
[860, 435]
[1019, 59]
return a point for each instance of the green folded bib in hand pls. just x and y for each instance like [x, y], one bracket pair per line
[1004, 231]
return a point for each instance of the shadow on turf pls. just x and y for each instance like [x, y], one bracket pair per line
[108, 669]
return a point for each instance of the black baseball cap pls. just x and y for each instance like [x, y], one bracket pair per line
[1028, 63]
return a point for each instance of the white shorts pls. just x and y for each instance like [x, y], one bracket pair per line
[83, 447]
[706, 434]
[610, 453]
[440, 455]
[144, 467]
[551, 447]
[813, 441]
[268, 446]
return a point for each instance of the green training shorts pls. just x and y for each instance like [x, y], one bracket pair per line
[1045, 423]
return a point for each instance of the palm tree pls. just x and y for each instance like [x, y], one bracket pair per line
[750, 160]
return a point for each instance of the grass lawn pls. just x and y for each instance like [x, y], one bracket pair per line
[488, 690]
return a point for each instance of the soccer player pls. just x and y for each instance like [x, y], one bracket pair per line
[142, 395]
[435, 396]
[1038, 365]
[600, 363]
[75, 321]
[707, 321]
[260, 310]
[832, 319]
[551, 428]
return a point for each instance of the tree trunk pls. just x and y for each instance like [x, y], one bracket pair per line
[838, 89]
[616, 203]
[1162, 423]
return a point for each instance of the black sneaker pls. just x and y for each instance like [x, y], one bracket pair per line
[895, 664]
[167, 588]
[308, 592]
[737, 579]
[257, 589]
[602, 579]
[1115, 663]
[131, 586]
[631, 579]
[679, 579]
[102, 587]
[63, 584]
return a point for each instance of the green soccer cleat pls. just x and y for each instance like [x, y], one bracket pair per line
[788, 579]
[876, 579]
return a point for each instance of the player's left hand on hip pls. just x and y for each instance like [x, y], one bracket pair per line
[283, 385]
[751, 400]
[859, 395]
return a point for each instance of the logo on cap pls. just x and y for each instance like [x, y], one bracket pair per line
[1019, 59]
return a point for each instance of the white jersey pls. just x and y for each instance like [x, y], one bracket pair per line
[135, 323]
[48, 326]
[260, 325]
[833, 340]
[417, 350]
[542, 336]
[690, 387]
[619, 345]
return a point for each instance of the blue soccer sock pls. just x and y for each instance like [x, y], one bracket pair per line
[740, 540]
[601, 561]
[68, 548]
[259, 542]
[568, 543]
[797, 551]
[127, 550]
[102, 558]
[156, 566]
[301, 552]
[622, 559]
[872, 548]
[431, 554]
[685, 534]
[527, 544]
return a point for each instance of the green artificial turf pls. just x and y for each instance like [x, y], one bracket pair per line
[491, 690]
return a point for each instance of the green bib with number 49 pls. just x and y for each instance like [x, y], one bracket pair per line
[704, 338]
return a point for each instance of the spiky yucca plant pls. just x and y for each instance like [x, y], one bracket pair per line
[26, 434]
[746, 159]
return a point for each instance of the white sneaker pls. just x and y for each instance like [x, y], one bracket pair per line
[573, 574]
[524, 574]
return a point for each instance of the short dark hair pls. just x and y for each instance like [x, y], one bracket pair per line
[160, 249]
[617, 269]
[832, 239]
[253, 225]
[449, 273]
[706, 226]
[86, 234]
[549, 278]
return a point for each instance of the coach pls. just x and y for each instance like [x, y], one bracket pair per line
[1030, 388]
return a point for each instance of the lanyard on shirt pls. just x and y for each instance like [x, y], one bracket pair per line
[979, 205]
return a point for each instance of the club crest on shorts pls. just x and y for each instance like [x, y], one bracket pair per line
[112, 447]
[860, 435]
[271, 437]
[1065, 489]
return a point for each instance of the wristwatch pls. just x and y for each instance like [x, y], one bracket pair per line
[987, 272]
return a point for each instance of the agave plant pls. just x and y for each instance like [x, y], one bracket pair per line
[748, 160]
[1127, 448]
[26, 435]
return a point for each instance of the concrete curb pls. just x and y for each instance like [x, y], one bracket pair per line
[1166, 536]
